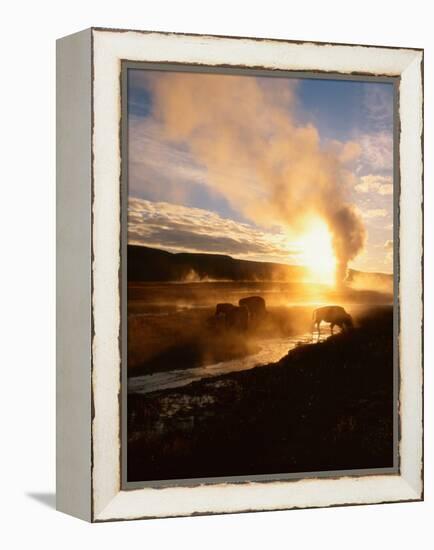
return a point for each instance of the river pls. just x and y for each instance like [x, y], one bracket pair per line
[271, 350]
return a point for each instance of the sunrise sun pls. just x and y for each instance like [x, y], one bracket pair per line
[317, 252]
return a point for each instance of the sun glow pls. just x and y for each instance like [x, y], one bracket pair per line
[317, 253]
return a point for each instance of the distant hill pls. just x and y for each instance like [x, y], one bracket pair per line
[150, 264]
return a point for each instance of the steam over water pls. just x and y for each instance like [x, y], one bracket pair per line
[170, 345]
[272, 350]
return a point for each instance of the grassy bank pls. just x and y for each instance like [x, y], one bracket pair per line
[324, 406]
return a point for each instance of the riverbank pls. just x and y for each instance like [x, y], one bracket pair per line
[326, 406]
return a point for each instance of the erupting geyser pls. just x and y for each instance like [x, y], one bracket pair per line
[272, 169]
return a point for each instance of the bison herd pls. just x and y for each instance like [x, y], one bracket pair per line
[249, 311]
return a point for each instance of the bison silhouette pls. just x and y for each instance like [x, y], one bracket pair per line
[335, 315]
[223, 309]
[255, 306]
[237, 318]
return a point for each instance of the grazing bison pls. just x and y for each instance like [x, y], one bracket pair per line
[223, 309]
[237, 318]
[255, 306]
[335, 315]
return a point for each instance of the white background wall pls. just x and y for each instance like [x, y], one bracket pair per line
[27, 184]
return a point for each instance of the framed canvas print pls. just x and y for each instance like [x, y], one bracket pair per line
[239, 274]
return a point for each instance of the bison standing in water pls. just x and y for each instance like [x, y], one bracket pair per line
[223, 309]
[335, 315]
[233, 317]
[255, 306]
[237, 318]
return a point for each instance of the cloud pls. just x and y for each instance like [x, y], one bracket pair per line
[388, 245]
[374, 213]
[347, 152]
[185, 229]
[377, 184]
[377, 151]
[378, 106]
[161, 169]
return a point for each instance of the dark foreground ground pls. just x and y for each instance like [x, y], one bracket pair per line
[326, 406]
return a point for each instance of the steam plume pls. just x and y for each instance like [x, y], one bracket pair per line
[270, 168]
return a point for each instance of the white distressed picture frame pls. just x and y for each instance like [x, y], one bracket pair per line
[88, 271]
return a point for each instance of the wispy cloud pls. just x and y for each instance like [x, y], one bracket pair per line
[184, 229]
[347, 152]
[374, 183]
[388, 245]
[374, 213]
[378, 107]
[157, 167]
[376, 151]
